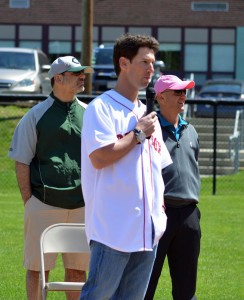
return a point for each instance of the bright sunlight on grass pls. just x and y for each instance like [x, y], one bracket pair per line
[221, 263]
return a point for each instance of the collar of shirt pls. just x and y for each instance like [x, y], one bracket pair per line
[175, 131]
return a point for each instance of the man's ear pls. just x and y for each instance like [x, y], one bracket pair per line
[58, 78]
[161, 99]
[123, 62]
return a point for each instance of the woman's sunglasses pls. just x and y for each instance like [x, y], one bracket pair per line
[176, 92]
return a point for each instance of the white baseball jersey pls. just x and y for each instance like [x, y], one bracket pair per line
[123, 202]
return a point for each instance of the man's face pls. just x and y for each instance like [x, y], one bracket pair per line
[74, 81]
[173, 100]
[140, 69]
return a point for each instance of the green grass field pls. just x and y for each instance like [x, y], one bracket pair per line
[221, 263]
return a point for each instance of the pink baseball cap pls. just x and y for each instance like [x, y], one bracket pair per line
[172, 82]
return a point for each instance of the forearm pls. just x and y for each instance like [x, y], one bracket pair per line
[108, 155]
[23, 179]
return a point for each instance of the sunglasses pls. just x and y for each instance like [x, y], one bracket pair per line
[177, 92]
[74, 73]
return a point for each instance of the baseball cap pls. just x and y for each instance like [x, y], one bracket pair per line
[172, 82]
[67, 64]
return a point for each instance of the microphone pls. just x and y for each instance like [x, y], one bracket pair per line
[150, 98]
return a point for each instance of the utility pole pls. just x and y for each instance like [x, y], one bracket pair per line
[87, 30]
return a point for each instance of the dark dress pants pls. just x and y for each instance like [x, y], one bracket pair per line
[181, 244]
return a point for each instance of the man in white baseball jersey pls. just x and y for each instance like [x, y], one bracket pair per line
[121, 178]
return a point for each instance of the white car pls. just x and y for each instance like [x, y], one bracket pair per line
[24, 70]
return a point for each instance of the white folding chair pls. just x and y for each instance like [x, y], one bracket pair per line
[62, 238]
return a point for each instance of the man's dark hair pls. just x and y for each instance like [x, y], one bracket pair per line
[128, 45]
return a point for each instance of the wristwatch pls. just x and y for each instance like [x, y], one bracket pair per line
[140, 135]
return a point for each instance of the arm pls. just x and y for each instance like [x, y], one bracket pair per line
[108, 155]
[23, 177]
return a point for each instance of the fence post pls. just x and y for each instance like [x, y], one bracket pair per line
[215, 147]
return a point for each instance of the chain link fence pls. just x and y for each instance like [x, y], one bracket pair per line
[220, 126]
[221, 135]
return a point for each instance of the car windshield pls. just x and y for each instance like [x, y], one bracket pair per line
[17, 60]
[103, 56]
[223, 88]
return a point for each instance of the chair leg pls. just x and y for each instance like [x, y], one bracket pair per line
[44, 294]
[40, 292]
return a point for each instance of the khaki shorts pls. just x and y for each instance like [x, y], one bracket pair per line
[39, 216]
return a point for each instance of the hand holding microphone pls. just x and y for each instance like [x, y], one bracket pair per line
[146, 123]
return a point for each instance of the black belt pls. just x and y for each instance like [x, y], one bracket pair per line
[179, 202]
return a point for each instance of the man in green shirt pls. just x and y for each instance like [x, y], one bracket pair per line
[46, 147]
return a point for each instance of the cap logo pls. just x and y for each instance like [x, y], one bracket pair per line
[74, 60]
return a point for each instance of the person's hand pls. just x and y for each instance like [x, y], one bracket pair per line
[26, 199]
[147, 123]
